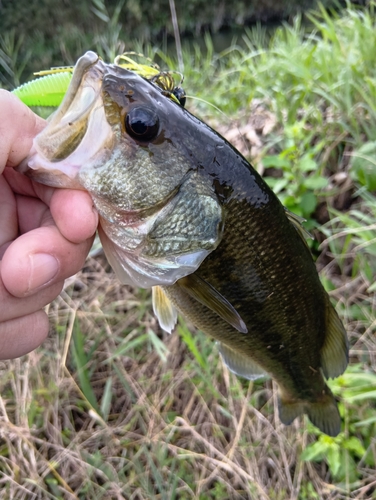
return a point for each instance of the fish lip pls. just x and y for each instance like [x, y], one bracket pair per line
[84, 63]
[82, 105]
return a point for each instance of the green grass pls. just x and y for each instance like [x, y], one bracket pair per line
[110, 407]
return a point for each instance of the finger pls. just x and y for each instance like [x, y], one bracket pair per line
[32, 213]
[39, 258]
[14, 307]
[72, 210]
[8, 215]
[22, 335]
[20, 184]
[16, 140]
[74, 214]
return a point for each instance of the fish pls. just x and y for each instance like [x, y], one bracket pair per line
[182, 212]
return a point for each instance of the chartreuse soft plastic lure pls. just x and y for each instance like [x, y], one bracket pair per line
[50, 88]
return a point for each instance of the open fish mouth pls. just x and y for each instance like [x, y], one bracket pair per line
[67, 141]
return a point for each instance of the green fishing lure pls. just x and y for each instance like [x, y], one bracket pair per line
[50, 88]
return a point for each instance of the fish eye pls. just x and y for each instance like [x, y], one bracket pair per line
[142, 124]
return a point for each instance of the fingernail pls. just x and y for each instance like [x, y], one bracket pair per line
[44, 267]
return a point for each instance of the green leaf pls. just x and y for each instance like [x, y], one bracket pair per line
[363, 165]
[366, 422]
[355, 445]
[277, 184]
[276, 161]
[159, 345]
[308, 203]
[316, 182]
[81, 361]
[314, 452]
[333, 457]
[188, 338]
[361, 396]
[127, 346]
[307, 164]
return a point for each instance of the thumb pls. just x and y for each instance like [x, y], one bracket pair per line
[18, 126]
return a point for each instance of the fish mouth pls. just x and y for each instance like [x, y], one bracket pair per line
[76, 134]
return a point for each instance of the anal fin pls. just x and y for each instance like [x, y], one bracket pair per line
[240, 364]
[203, 292]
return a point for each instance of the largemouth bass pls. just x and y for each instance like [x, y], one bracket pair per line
[183, 212]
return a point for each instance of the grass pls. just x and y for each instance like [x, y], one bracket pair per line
[110, 407]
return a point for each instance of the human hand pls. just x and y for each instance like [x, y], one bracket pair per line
[45, 235]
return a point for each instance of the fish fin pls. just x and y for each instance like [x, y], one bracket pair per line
[165, 312]
[144, 272]
[323, 414]
[335, 351]
[203, 292]
[297, 221]
[240, 364]
[288, 411]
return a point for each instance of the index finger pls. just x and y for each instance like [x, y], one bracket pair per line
[18, 127]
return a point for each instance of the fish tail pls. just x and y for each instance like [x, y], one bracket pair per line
[323, 412]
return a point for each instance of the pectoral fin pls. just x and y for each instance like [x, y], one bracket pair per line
[335, 351]
[207, 295]
[163, 309]
[239, 364]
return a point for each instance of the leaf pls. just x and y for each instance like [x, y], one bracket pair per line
[363, 165]
[276, 161]
[355, 445]
[276, 184]
[314, 452]
[159, 346]
[106, 399]
[307, 164]
[308, 203]
[366, 422]
[82, 362]
[362, 396]
[127, 346]
[190, 342]
[316, 182]
[333, 457]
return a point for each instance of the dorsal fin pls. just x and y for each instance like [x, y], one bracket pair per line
[203, 292]
[163, 309]
[297, 221]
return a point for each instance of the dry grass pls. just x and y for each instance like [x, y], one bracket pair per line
[110, 419]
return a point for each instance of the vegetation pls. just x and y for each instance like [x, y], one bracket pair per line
[32, 42]
[110, 407]
[143, 20]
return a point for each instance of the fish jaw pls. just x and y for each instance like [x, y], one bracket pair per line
[66, 143]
